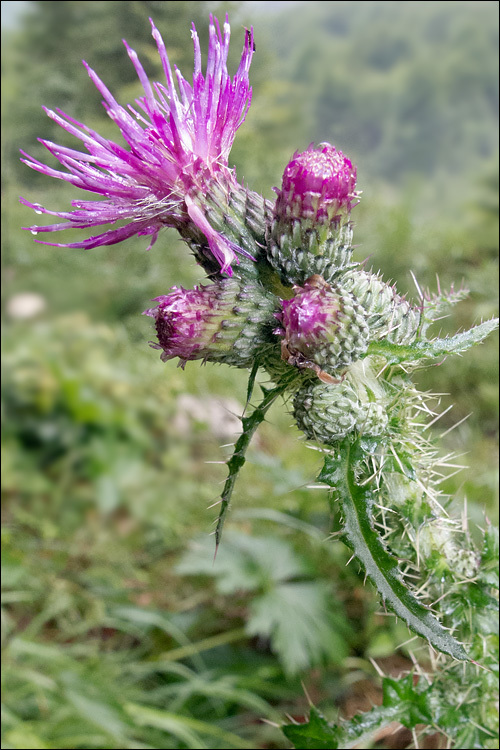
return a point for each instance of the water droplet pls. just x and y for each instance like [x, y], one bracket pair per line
[37, 211]
[34, 231]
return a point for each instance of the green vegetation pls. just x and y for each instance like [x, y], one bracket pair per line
[117, 630]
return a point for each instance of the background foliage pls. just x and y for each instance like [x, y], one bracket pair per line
[117, 630]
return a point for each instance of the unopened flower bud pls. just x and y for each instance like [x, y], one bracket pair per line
[372, 419]
[322, 327]
[329, 413]
[318, 184]
[311, 231]
[222, 322]
[326, 413]
[438, 543]
[387, 313]
[231, 222]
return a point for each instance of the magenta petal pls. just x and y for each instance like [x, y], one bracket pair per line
[178, 140]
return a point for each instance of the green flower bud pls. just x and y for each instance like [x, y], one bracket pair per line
[387, 313]
[438, 541]
[326, 413]
[372, 419]
[329, 412]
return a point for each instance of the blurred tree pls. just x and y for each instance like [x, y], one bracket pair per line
[42, 61]
[405, 87]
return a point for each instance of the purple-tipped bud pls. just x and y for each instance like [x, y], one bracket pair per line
[186, 321]
[222, 322]
[322, 327]
[311, 231]
[318, 184]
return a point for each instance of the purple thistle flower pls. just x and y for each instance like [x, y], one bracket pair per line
[177, 144]
[318, 184]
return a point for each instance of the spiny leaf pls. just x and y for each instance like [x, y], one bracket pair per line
[402, 702]
[316, 734]
[396, 353]
[237, 460]
[435, 304]
[380, 566]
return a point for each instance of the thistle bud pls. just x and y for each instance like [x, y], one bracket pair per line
[387, 313]
[222, 322]
[322, 327]
[329, 413]
[326, 413]
[372, 419]
[231, 223]
[311, 232]
[438, 543]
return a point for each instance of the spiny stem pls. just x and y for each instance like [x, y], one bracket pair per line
[237, 460]
[382, 568]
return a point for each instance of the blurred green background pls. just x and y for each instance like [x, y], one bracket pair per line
[117, 629]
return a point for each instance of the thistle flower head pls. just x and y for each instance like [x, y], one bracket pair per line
[324, 325]
[226, 321]
[313, 313]
[177, 143]
[318, 184]
[187, 321]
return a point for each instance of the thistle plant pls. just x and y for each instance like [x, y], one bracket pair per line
[285, 296]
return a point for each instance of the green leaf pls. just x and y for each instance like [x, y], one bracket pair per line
[296, 615]
[402, 702]
[237, 460]
[244, 563]
[413, 705]
[295, 618]
[185, 728]
[396, 353]
[315, 734]
[356, 501]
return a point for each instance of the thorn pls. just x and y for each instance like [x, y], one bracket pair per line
[483, 729]
[216, 502]
[455, 425]
[418, 668]
[481, 666]
[376, 667]
[274, 724]
[414, 638]
[415, 738]
[437, 418]
[311, 704]
[465, 519]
